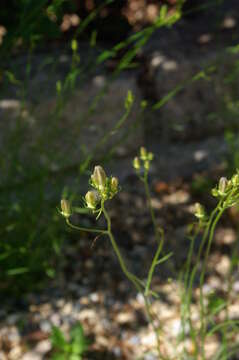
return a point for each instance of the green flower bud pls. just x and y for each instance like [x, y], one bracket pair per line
[143, 104]
[143, 153]
[235, 180]
[74, 45]
[66, 208]
[136, 163]
[146, 165]
[199, 211]
[58, 87]
[150, 156]
[92, 198]
[99, 178]
[222, 186]
[114, 184]
[215, 192]
[129, 100]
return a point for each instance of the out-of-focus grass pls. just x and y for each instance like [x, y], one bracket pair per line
[31, 235]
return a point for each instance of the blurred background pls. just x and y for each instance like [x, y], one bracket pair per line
[87, 82]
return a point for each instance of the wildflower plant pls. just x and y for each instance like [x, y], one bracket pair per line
[104, 188]
[227, 194]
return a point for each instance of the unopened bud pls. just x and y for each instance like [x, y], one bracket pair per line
[235, 180]
[58, 86]
[136, 163]
[92, 198]
[199, 211]
[143, 104]
[146, 165]
[114, 184]
[129, 100]
[99, 177]
[143, 153]
[65, 208]
[150, 156]
[215, 192]
[222, 186]
[74, 45]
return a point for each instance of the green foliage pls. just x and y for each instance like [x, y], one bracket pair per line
[29, 224]
[74, 349]
[29, 231]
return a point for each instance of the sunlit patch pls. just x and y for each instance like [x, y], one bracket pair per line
[200, 155]
[170, 65]
[205, 39]
[3, 32]
[10, 104]
[68, 21]
[229, 22]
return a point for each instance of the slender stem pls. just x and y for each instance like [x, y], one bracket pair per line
[152, 268]
[85, 229]
[131, 277]
[151, 320]
[202, 276]
[193, 273]
[206, 231]
[221, 207]
[127, 273]
[185, 302]
[159, 234]
[158, 231]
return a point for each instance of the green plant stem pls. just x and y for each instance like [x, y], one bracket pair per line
[185, 302]
[205, 235]
[158, 231]
[127, 273]
[159, 234]
[202, 277]
[223, 204]
[80, 228]
[193, 273]
[152, 268]
[131, 277]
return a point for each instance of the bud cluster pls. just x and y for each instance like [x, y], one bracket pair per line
[143, 159]
[225, 186]
[104, 188]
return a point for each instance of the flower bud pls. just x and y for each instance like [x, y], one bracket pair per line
[235, 180]
[99, 178]
[143, 104]
[74, 45]
[150, 156]
[215, 192]
[136, 163]
[114, 184]
[58, 87]
[65, 208]
[199, 211]
[222, 186]
[129, 100]
[92, 198]
[143, 153]
[146, 165]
